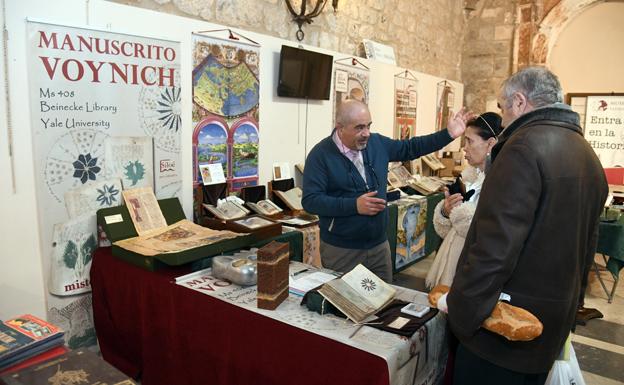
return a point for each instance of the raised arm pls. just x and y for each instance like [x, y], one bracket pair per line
[402, 150]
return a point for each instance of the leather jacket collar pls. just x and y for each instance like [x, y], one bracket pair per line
[556, 114]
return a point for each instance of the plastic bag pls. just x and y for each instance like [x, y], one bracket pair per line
[566, 372]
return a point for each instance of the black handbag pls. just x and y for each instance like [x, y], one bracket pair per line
[458, 187]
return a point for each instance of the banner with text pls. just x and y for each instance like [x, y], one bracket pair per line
[105, 116]
[604, 128]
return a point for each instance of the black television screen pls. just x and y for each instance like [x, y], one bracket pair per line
[304, 74]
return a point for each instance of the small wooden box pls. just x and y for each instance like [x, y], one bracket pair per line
[272, 275]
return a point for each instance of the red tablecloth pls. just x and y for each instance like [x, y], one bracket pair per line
[149, 327]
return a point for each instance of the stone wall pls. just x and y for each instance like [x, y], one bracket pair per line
[488, 51]
[427, 35]
[503, 36]
[476, 42]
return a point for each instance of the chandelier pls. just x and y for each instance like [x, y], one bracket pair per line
[303, 17]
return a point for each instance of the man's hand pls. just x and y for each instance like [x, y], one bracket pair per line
[367, 204]
[457, 125]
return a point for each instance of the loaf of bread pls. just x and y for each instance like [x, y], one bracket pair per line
[511, 322]
[435, 294]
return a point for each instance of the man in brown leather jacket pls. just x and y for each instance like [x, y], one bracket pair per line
[533, 235]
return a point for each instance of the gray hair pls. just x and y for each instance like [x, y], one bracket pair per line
[540, 86]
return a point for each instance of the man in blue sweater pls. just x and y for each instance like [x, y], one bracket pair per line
[345, 185]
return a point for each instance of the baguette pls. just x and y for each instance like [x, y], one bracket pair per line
[435, 294]
[511, 322]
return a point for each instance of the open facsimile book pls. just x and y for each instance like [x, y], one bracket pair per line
[292, 197]
[433, 162]
[227, 210]
[399, 177]
[358, 294]
[264, 207]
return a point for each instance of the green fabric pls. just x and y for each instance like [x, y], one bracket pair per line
[391, 230]
[432, 239]
[611, 244]
[315, 302]
[294, 238]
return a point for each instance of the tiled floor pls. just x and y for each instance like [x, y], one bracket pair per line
[599, 345]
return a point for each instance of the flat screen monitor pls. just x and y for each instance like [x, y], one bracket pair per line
[304, 74]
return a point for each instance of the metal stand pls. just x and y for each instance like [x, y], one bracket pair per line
[616, 279]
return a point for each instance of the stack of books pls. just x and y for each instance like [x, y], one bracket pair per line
[25, 337]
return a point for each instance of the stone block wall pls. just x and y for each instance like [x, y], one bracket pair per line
[427, 35]
[487, 57]
[503, 36]
[476, 42]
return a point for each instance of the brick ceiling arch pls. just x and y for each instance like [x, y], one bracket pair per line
[551, 26]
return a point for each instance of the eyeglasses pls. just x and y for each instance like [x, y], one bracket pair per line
[365, 187]
[488, 124]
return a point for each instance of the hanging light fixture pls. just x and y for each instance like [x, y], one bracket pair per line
[303, 17]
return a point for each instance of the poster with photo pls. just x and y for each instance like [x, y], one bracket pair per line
[86, 87]
[281, 170]
[212, 173]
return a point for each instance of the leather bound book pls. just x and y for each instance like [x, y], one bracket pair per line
[272, 270]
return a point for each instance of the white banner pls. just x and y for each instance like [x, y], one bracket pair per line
[604, 128]
[90, 90]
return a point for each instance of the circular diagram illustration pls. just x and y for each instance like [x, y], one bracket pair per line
[75, 159]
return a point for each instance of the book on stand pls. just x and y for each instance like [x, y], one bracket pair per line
[264, 207]
[426, 184]
[227, 210]
[358, 294]
[433, 162]
[292, 198]
[399, 177]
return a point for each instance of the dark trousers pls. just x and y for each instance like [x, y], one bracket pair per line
[471, 369]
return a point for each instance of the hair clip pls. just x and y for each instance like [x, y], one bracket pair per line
[488, 124]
